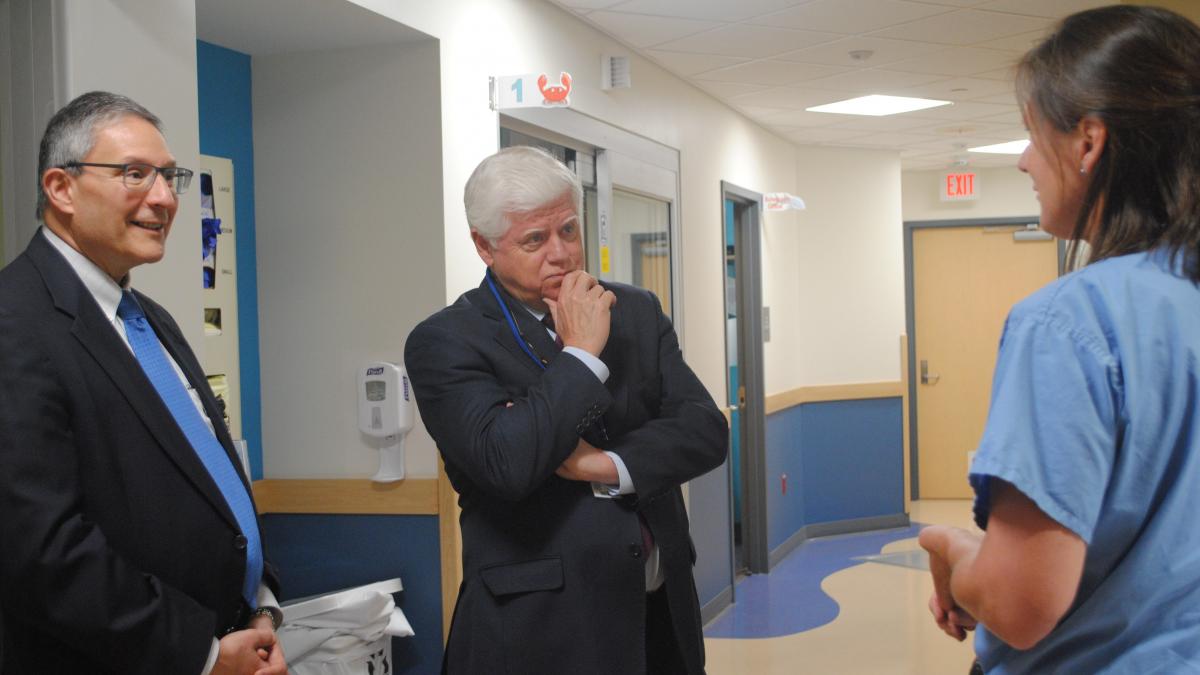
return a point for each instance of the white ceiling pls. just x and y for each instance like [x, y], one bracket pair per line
[771, 59]
[266, 27]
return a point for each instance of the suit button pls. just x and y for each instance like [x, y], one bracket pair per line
[239, 542]
[635, 550]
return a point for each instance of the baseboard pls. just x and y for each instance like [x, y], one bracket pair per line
[714, 607]
[787, 546]
[850, 526]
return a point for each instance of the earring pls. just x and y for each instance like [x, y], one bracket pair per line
[1082, 171]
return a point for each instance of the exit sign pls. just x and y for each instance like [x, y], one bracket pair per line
[958, 187]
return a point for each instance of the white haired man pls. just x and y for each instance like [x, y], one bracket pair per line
[567, 441]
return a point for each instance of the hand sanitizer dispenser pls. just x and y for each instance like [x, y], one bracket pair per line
[385, 412]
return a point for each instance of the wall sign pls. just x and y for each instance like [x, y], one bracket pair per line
[959, 187]
[782, 201]
[531, 90]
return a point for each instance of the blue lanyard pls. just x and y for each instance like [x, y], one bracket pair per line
[512, 325]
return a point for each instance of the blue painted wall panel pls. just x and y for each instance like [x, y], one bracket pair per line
[853, 459]
[843, 461]
[708, 502]
[785, 512]
[323, 553]
[226, 130]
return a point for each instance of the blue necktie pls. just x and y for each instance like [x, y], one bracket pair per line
[153, 359]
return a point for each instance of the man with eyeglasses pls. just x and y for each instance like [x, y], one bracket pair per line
[128, 538]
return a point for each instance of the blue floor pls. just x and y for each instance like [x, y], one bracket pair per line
[789, 600]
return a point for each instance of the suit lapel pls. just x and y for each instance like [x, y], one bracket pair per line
[101, 341]
[530, 329]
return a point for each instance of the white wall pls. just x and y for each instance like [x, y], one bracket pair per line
[834, 277]
[1003, 193]
[347, 148]
[496, 37]
[144, 49]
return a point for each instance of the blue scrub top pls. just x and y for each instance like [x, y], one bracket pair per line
[1095, 416]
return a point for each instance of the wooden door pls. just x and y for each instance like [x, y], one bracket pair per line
[965, 280]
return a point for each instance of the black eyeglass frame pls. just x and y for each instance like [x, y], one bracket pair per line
[177, 177]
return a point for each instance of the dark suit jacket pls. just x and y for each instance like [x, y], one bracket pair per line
[119, 554]
[553, 577]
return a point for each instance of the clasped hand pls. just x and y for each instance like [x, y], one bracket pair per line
[952, 619]
[582, 312]
[252, 651]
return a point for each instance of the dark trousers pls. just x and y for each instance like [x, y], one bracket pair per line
[662, 649]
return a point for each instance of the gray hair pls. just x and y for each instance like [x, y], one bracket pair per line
[516, 180]
[71, 133]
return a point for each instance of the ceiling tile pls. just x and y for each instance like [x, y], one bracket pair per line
[691, 64]
[889, 140]
[1012, 118]
[872, 81]
[1007, 74]
[800, 118]
[646, 31]
[956, 61]
[770, 72]
[885, 123]
[746, 40]
[730, 89]
[711, 10]
[1008, 97]
[959, 89]
[972, 129]
[822, 135]
[837, 53]
[796, 98]
[1053, 9]
[587, 4]
[964, 27]
[756, 111]
[1017, 44]
[956, 3]
[838, 16]
[964, 111]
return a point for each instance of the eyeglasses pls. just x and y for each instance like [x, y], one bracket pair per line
[139, 177]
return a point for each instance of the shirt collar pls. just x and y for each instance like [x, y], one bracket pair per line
[106, 291]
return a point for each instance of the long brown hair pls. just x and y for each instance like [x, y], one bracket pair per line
[1137, 69]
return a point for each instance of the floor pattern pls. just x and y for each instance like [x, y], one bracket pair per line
[880, 624]
[789, 600]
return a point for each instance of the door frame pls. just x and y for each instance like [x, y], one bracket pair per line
[910, 226]
[752, 418]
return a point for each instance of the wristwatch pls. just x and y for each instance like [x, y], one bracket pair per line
[273, 612]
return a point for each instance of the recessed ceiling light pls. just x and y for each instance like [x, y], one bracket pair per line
[878, 105]
[1009, 148]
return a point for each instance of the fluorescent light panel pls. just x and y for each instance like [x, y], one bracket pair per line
[878, 105]
[1009, 148]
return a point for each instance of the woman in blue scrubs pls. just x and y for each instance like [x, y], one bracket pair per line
[1087, 478]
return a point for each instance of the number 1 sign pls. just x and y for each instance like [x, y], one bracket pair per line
[530, 90]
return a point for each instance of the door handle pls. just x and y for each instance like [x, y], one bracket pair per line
[741, 397]
[926, 378]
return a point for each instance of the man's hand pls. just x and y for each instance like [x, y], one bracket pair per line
[952, 619]
[582, 312]
[272, 655]
[252, 651]
[589, 463]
